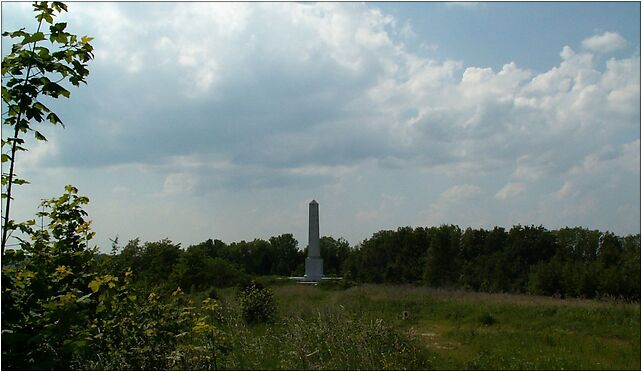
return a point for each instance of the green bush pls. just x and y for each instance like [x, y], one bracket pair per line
[47, 305]
[257, 303]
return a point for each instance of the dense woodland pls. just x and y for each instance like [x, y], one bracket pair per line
[573, 262]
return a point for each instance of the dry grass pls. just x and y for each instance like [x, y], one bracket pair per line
[410, 292]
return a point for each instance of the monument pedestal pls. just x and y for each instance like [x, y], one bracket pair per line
[313, 269]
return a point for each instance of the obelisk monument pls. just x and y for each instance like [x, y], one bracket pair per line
[314, 262]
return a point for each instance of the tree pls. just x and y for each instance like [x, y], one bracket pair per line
[442, 266]
[197, 270]
[30, 72]
[287, 255]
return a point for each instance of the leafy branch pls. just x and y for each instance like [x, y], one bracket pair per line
[29, 72]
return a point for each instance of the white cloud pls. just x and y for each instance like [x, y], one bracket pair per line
[389, 205]
[212, 98]
[565, 191]
[604, 43]
[178, 183]
[510, 190]
[460, 193]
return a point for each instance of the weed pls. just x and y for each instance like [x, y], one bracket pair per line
[487, 319]
[257, 303]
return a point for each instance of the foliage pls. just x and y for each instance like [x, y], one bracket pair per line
[334, 253]
[196, 270]
[390, 256]
[136, 330]
[285, 254]
[46, 304]
[58, 312]
[442, 266]
[257, 303]
[574, 262]
[31, 72]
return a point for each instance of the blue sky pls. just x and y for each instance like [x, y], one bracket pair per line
[528, 33]
[205, 120]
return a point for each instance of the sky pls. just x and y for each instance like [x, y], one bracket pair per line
[224, 120]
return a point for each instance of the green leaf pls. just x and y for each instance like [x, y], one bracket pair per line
[6, 96]
[5, 158]
[40, 106]
[39, 136]
[19, 181]
[59, 6]
[86, 39]
[53, 118]
[83, 298]
[58, 27]
[59, 37]
[94, 285]
[38, 36]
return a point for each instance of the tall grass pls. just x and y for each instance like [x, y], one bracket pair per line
[466, 330]
[329, 338]
[382, 327]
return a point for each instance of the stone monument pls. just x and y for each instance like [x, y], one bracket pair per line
[314, 262]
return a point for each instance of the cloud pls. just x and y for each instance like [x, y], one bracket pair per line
[510, 190]
[604, 43]
[388, 205]
[211, 99]
[332, 89]
[459, 193]
[465, 4]
[599, 188]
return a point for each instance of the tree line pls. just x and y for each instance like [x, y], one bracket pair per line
[214, 263]
[573, 262]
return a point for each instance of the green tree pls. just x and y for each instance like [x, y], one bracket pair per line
[287, 255]
[442, 265]
[159, 259]
[197, 270]
[334, 253]
[526, 246]
[34, 69]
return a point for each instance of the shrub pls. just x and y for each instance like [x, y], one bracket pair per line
[46, 303]
[257, 303]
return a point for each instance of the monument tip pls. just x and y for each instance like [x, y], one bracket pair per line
[313, 202]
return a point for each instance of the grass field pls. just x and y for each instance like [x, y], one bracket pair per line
[451, 330]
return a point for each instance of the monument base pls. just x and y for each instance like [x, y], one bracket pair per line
[313, 269]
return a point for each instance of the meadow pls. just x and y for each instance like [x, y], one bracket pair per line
[405, 327]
